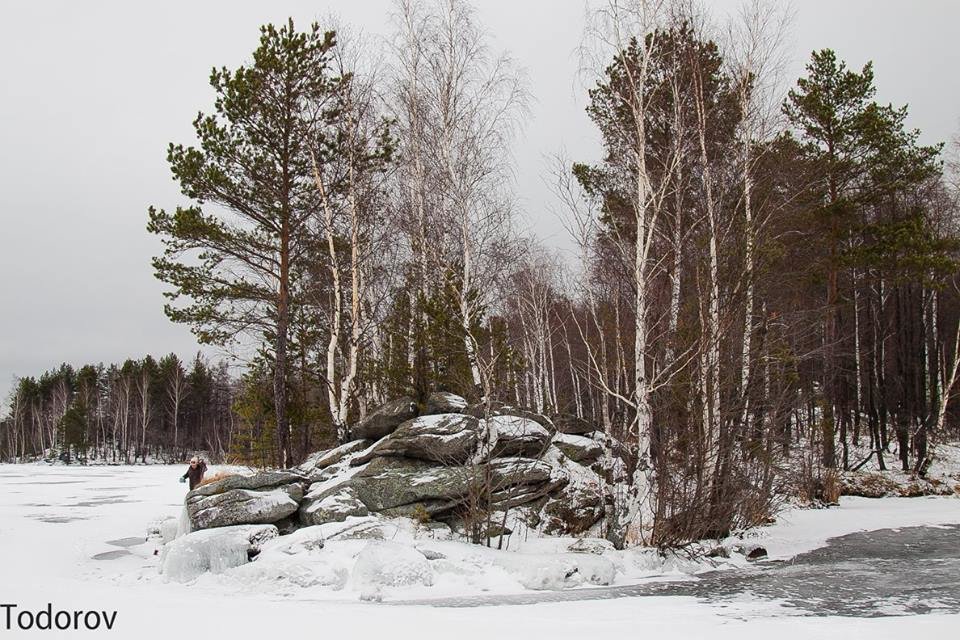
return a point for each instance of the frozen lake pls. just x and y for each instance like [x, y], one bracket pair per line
[889, 572]
[74, 537]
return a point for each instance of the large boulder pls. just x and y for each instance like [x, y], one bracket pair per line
[255, 482]
[481, 410]
[406, 487]
[320, 460]
[581, 450]
[568, 423]
[334, 505]
[213, 550]
[385, 419]
[523, 494]
[573, 510]
[396, 486]
[390, 486]
[447, 438]
[263, 498]
[509, 472]
[443, 402]
[244, 506]
[519, 481]
[516, 436]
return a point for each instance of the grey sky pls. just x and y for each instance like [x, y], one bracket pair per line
[91, 94]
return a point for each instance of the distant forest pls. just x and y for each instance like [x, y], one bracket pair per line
[763, 280]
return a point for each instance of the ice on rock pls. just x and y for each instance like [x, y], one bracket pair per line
[314, 570]
[213, 550]
[184, 526]
[169, 530]
[389, 564]
[556, 572]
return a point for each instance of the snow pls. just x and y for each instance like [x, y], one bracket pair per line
[212, 550]
[517, 427]
[55, 519]
[342, 471]
[426, 424]
[451, 400]
[579, 441]
[389, 564]
[801, 530]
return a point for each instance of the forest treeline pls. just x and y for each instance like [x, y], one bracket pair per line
[763, 282]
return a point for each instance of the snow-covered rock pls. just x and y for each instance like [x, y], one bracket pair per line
[168, 530]
[567, 423]
[446, 438]
[303, 571]
[403, 486]
[385, 419]
[334, 505]
[581, 450]
[556, 571]
[244, 506]
[389, 564]
[213, 550]
[443, 402]
[263, 498]
[573, 510]
[597, 546]
[516, 436]
[257, 481]
[317, 462]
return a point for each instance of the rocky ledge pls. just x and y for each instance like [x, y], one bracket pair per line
[441, 462]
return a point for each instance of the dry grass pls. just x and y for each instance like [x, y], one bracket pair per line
[831, 487]
[220, 475]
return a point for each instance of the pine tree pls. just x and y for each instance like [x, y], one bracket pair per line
[235, 261]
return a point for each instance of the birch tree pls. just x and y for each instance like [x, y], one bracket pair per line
[626, 32]
[349, 166]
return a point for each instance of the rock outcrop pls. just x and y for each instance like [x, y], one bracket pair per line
[385, 419]
[516, 436]
[317, 462]
[443, 402]
[446, 438]
[581, 450]
[566, 423]
[437, 468]
[263, 498]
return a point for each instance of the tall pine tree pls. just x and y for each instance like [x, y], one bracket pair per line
[235, 253]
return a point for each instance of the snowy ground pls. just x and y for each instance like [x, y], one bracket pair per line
[74, 537]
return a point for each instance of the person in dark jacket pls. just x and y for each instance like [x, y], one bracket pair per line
[194, 472]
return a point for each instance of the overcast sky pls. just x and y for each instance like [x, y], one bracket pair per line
[92, 93]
